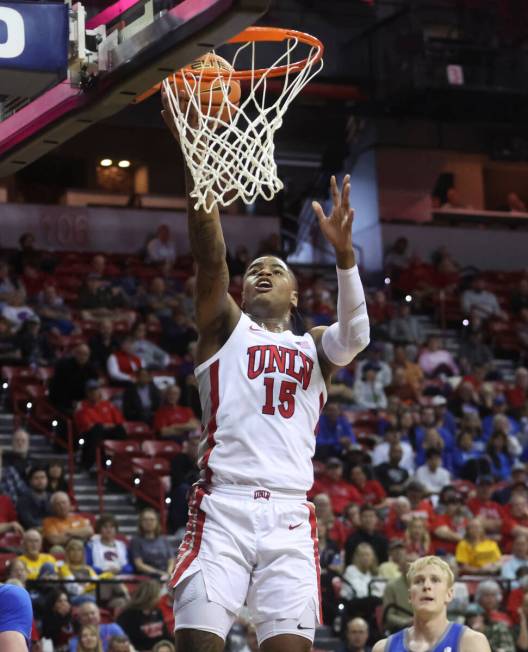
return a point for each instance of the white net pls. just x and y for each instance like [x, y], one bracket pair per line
[230, 149]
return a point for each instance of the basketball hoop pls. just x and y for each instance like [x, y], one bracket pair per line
[230, 148]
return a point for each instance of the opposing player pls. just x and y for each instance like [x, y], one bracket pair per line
[16, 618]
[251, 534]
[430, 583]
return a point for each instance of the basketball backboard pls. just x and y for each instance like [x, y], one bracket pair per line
[112, 58]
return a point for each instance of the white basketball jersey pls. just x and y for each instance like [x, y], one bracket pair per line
[261, 396]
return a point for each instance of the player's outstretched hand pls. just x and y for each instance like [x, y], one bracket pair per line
[167, 115]
[337, 227]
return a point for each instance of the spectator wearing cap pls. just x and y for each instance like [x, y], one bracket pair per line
[374, 355]
[367, 533]
[123, 366]
[369, 392]
[334, 432]
[340, 492]
[34, 505]
[476, 554]
[449, 528]
[489, 422]
[391, 474]
[518, 559]
[96, 420]
[396, 605]
[435, 360]
[64, 523]
[483, 507]
[391, 569]
[70, 375]
[432, 475]
[141, 400]
[444, 418]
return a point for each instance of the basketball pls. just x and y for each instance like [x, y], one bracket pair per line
[212, 91]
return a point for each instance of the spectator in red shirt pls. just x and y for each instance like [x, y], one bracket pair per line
[517, 394]
[340, 492]
[421, 506]
[449, 528]
[398, 518]
[489, 597]
[173, 419]
[8, 516]
[481, 505]
[514, 519]
[96, 420]
[371, 491]
[337, 530]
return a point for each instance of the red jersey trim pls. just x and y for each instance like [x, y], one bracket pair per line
[212, 425]
[313, 526]
[192, 540]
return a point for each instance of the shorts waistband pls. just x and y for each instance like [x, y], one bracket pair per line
[256, 493]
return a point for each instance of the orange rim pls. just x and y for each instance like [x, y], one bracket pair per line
[255, 34]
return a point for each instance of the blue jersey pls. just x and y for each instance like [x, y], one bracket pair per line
[450, 641]
[16, 612]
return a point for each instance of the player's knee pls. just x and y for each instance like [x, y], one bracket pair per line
[191, 640]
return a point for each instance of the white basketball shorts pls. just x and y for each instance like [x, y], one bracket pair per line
[253, 546]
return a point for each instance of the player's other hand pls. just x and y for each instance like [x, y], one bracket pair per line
[337, 227]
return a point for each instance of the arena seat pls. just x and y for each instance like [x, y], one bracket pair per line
[142, 465]
[5, 560]
[138, 430]
[156, 448]
[11, 540]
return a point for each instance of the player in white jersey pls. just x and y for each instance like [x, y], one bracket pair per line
[251, 535]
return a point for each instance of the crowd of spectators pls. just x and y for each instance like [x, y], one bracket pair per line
[421, 448]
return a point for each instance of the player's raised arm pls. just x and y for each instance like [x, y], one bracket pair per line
[216, 312]
[339, 344]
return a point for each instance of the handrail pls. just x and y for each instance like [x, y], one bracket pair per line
[29, 418]
[104, 473]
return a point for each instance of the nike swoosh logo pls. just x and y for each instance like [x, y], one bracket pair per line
[301, 627]
[252, 328]
[292, 527]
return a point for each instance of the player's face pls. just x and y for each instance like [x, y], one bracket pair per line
[268, 282]
[429, 591]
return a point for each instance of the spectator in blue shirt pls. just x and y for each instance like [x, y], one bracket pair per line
[334, 433]
[16, 618]
[500, 459]
[89, 614]
[488, 423]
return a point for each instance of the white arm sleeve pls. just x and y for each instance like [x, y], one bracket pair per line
[343, 340]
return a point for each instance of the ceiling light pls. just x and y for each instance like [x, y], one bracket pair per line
[105, 162]
[124, 164]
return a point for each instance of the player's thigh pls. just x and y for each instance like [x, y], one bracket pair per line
[286, 643]
[192, 640]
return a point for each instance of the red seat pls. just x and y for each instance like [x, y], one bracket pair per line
[117, 458]
[21, 375]
[11, 540]
[112, 447]
[160, 465]
[138, 430]
[156, 448]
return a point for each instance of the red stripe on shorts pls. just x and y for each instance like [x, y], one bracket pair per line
[192, 540]
[212, 425]
[313, 526]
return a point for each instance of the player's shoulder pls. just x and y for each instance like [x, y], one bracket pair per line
[14, 594]
[380, 646]
[472, 640]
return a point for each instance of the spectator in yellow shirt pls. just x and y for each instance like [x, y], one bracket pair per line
[33, 557]
[476, 554]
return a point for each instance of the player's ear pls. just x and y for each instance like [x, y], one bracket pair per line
[450, 594]
[294, 298]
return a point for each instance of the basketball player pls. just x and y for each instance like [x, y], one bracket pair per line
[430, 583]
[16, 618]
[251, 535]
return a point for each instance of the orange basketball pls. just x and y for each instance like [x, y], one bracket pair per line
[210, 89]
